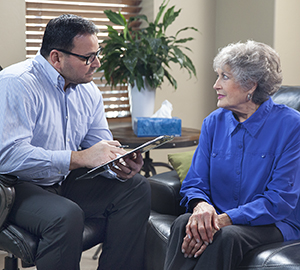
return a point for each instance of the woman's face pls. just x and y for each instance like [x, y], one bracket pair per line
[231, 95]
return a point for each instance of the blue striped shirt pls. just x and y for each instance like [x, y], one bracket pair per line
[40, 123]
[250, 170]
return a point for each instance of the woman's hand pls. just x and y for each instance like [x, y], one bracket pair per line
[201, 227]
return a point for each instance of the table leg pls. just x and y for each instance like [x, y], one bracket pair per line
[149, 165]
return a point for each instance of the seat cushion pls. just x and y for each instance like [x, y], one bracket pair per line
[283, 256]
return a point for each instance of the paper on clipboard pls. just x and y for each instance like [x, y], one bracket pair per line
[142, 149]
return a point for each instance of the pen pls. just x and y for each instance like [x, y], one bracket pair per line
[124, 146]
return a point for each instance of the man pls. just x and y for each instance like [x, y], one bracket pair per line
[49, 109]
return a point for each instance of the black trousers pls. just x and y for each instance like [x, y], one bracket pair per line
[227, 249]
[56, 215]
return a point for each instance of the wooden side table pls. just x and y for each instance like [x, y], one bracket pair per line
[125, 135]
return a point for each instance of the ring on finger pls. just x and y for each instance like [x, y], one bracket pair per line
[129, 171]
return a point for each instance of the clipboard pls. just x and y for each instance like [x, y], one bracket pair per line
[157, 142]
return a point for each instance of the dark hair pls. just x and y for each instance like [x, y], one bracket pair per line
[252, 62]
[60, 32]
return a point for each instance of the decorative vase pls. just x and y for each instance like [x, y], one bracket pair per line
[141, 102]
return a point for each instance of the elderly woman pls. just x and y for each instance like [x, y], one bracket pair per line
[242, 189]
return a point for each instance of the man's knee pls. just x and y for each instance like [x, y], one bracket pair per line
[69, 217]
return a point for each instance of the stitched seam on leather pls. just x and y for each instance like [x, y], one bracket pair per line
[12, 234]
[276, 251]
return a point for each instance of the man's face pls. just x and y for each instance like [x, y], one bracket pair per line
[73, 68]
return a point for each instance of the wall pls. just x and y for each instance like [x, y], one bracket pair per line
[12, 32]
[240, 20]
[287, 39]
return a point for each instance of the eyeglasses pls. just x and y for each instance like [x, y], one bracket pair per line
[88, 59]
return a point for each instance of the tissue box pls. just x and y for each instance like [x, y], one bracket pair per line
[152, 127]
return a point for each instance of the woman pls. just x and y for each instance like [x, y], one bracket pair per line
[243, 186]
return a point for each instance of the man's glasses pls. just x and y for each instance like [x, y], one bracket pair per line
[88, 59]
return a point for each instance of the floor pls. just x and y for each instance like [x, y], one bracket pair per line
[87, 261]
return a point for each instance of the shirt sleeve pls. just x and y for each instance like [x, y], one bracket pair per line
[196, 183]
[17, 155]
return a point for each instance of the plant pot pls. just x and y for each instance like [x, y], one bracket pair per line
[141, 102]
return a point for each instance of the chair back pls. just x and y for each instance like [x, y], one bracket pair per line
[288, 95]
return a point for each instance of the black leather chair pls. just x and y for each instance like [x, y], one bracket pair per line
[165, 208]
[20, 243]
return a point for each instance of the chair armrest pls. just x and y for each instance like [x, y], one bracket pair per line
[165, 196]
[7, 195]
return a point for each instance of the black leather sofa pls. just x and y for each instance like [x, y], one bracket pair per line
[165, 208]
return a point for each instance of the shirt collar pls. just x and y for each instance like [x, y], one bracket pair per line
[254, 122]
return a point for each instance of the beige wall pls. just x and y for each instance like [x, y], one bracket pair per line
[12, 31]
[287, 39]
[240, 20]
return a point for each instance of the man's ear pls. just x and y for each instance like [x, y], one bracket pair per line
[55, 58]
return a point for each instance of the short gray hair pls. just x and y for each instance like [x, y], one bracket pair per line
[252, 62]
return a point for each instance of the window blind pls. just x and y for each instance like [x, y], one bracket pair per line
[39, 12]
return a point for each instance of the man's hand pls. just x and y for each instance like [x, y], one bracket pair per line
[98, 154]
[128, 167]
[201, 227]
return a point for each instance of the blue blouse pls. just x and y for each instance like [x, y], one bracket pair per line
[250, 170]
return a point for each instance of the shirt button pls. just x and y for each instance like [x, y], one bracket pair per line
[238, 172]
[263, 156]
[240, 146]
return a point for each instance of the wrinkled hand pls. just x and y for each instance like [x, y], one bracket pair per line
[129, 166]
[98, 154]
[201, 227]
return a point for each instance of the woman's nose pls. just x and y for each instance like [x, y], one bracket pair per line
[216, 84]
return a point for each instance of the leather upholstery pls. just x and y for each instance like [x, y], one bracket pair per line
[288, 95]
[165, 208]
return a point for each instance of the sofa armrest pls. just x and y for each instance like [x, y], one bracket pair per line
[7, 195]
[165, 196]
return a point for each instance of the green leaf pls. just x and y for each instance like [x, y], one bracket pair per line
[130, 63]
[170, 17]
[116, 18]
[161, 11]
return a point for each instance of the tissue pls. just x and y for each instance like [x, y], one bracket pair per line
[165, 110]
[160, 123]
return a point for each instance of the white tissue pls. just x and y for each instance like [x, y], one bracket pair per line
[165, 110]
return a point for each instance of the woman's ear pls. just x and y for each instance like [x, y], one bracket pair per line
[253, 88]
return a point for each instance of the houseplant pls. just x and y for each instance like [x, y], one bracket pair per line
[141, 57]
